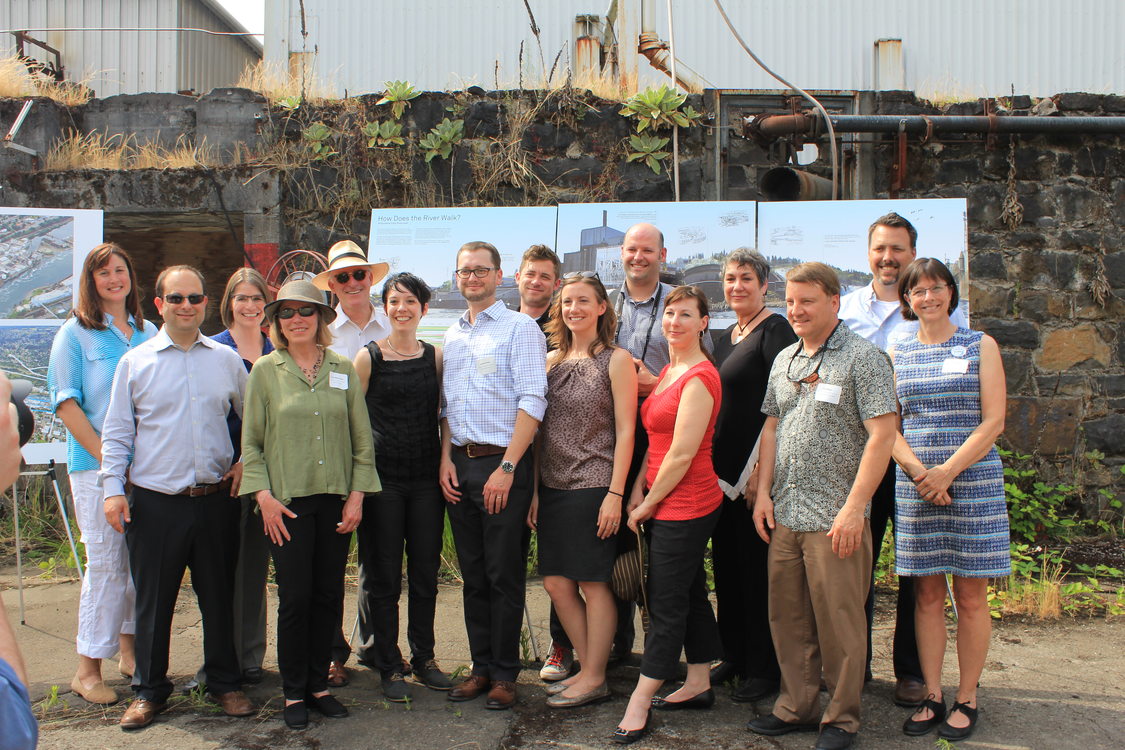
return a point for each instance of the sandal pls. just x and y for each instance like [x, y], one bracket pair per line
[959, 733]
[918, 727]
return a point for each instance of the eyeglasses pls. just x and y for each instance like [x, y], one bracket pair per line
[480, 272]
[178, 299]
[358, 274]
[583, 275]
[920, 292]
[305, 311]
[240, 298]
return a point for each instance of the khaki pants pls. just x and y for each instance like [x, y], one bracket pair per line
[818, 625]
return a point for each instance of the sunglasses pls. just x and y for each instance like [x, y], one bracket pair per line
[178, 299]
[305, 311]
[583, 275]
[358, 274]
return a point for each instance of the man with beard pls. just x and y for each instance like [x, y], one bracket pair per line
[493, 397]
[874, 312]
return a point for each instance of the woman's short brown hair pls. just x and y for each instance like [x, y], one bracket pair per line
[88, 311]
[925, 268]
[243, 275]
[560, 336]
[690, 292]
[323, 335]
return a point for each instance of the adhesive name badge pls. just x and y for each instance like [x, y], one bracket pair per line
[954, 366]
[338, 380]
[486, 364]
[828, 393]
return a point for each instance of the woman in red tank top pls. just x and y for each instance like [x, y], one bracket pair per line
[678, 500]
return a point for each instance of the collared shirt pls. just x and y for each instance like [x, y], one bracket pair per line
[301, 439]
[168, 409]
[820, 432]
[883, 328]
[493, 368]
[348, 338]
[639, 330]
[81, 368]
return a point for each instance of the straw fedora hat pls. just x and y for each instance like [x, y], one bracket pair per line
[300, 290]
[347, 254]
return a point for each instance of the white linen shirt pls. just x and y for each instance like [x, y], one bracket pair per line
[168, 409]
[858, 310]
[348, 338]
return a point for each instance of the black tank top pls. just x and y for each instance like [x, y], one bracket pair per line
[402, 401]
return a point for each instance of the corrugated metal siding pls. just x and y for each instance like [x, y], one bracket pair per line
[206, 61]
[956, 49]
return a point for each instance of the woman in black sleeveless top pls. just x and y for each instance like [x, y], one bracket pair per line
[401, 376]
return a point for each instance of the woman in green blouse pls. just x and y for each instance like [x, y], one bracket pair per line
[308, 457]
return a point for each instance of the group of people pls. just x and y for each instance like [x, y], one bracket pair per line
[607, 421]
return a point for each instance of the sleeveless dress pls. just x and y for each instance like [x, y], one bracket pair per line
[576, 466]
[939, 410]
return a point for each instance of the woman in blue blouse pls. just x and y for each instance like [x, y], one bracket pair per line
[105, 324]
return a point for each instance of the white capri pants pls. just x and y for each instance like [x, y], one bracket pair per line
[107, 605]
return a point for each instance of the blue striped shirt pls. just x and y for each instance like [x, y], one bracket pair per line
[82, 364]
[493, 368]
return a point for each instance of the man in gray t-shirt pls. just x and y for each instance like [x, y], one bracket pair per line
[826, 442]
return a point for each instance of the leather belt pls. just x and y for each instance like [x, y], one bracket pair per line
[480, 450]
[202, 490]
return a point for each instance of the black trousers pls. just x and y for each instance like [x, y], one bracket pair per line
[493, 559]
[405, 515]
[742, 593]
[309, 569]
[680, 615]
[169, 534]
[905, 648]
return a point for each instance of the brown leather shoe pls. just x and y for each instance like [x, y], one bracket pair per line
[501, 696]
[470, 688]
[141, 713]
[337, 674]
[909, 692]
[235, 703]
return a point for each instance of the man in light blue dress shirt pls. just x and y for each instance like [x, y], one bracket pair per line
[166, 426]
[493, 397]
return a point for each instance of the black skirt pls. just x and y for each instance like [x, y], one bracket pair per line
[568, 535]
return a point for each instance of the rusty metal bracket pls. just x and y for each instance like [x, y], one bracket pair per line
[898, 168]
[993, 120]
[929, 131]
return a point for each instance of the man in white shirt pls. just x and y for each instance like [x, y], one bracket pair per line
[874, 312]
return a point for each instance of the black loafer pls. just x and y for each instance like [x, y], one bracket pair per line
[771, 726]
[296, 715]
[754, 689]
[722, 672]
[629, 736]
[703, 700]
[959, 733]
[917, 727]
[834, 738]
[327, 705]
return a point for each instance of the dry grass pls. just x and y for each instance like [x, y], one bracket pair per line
[183, 155]
[17, 82]
[278, 83]
[97, 151]
[1039, 598]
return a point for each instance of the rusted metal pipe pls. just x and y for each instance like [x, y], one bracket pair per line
[788, 184]
[776, 126]
[656, 51]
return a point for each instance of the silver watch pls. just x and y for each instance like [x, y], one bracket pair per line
[507, 467]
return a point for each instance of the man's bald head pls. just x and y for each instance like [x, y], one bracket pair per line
[642, 253]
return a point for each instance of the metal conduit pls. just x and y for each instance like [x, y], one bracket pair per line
[773, 126]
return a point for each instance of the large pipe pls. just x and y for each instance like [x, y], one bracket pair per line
[656, 51]
[788, 184]
[775, 126]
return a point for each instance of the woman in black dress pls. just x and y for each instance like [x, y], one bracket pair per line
[744, 354]
[401, 376]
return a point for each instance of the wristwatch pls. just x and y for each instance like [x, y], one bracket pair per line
[507, 467]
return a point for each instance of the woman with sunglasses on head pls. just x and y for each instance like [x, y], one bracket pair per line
[401, 377]
[308, 458]
[104, 325]
[584, 449]
[680, 494]
[950, 513]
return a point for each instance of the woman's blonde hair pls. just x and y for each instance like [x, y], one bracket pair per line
[560, 336]
[323, 335]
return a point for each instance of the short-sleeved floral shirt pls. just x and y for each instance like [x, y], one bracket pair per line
[820, 438]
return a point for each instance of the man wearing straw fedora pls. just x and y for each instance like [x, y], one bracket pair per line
[358, 321]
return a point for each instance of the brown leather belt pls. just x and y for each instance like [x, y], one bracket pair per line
[202, 490]
[480, 450]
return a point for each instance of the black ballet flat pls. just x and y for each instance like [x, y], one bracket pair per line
[629, 736]
[959, 733]
[296, 715]
[703, 700]
[917, 727]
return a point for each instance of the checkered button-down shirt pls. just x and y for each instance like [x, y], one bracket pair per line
[493, 368]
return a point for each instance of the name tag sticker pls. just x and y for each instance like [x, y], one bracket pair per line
[828, 393]
[486, 364]
[338, 380]
[954, 366]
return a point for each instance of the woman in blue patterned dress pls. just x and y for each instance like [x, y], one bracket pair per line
[950, 514]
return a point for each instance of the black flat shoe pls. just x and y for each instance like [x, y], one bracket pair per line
[296, 715]
[629, 736]
[327, 705]
[771, 726]
[252, 676]
[917, 727]
[754, 690]
[959, 733]
[704, 700]
[723, 671]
